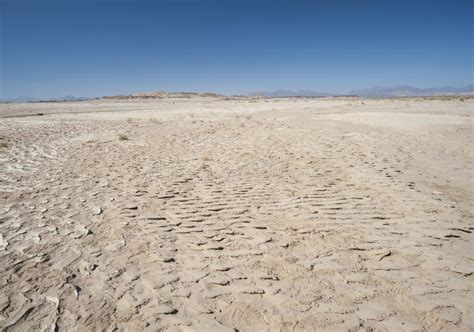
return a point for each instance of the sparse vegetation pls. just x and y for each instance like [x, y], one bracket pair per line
[3, 145]
[130, 120]
[155, 121]
[123, 137]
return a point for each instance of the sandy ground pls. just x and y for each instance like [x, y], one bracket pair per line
[281, 214]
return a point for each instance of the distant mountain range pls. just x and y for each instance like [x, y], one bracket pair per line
[162, 94]
[26, 99]
[289, 93]
[409, 91]
[395, 91]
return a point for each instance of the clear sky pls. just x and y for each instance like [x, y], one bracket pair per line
[93, 48]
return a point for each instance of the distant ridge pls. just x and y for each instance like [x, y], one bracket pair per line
[162, 94]
[26, 99]
[375, 92]
[394, 91]
[409, 91]
[289, 93]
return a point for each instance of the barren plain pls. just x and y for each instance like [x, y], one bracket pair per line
[242, 214]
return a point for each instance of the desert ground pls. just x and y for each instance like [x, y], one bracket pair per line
[211, 213]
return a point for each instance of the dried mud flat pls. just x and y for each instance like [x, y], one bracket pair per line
[280, 214]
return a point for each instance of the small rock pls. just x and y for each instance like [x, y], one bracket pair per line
[76, 290]
[53, 300]
[168, 260]
[80, 232]
[98, 211]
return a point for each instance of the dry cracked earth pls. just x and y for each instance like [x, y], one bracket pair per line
[296, 216]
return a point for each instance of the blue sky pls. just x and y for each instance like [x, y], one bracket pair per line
[104, 47]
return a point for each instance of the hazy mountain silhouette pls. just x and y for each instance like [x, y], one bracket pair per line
[27, 99]
[289, 93]
[394, 91]
[406, 91]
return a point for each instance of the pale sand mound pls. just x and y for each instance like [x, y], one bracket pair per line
[207, 218]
